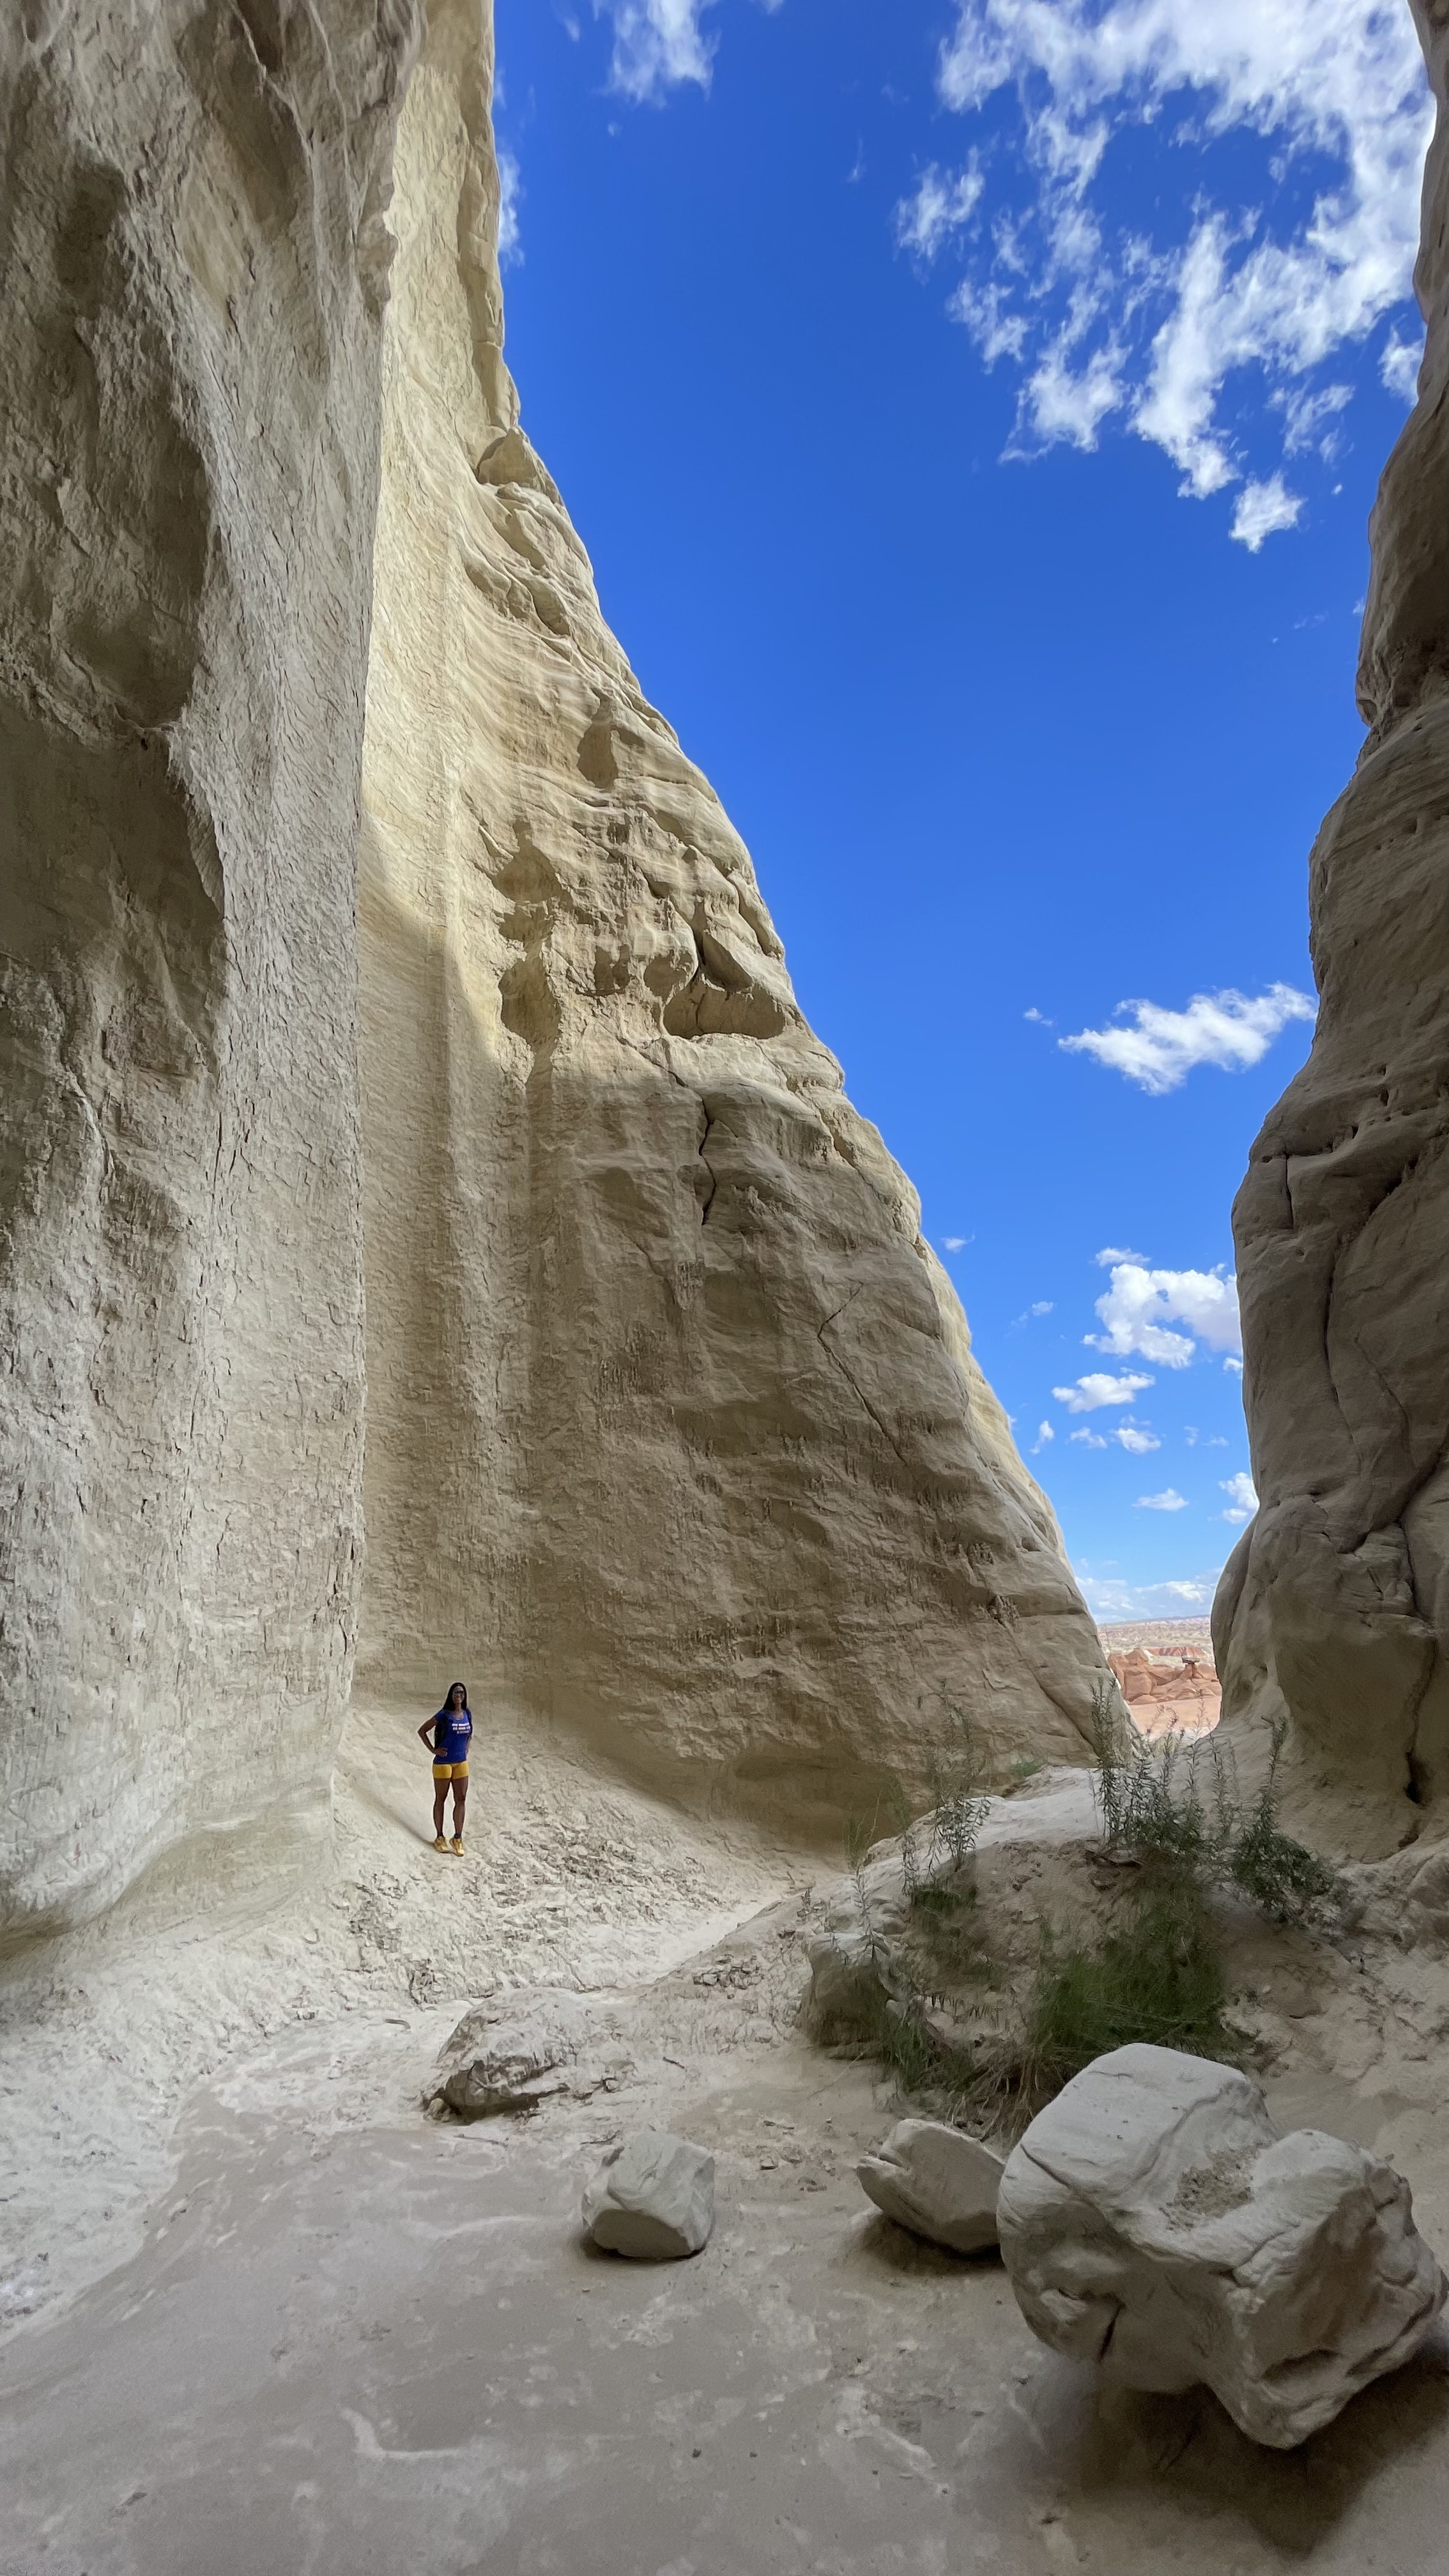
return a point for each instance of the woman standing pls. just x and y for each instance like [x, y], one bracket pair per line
[451, 1731]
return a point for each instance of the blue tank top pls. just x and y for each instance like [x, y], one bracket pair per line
[451, 1730]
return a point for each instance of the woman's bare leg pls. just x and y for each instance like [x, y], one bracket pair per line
[460, 1801]
[440, 1800]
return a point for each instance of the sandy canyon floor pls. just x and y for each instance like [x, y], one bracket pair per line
[305, 2327]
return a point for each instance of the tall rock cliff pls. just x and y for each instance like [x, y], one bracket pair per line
[192, 269]
[1333, 1613]
[673, 1432]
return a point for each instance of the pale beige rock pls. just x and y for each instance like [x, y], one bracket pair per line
[652, 2199]
[1333, 1611]
[674, 1429]
[193, 265]
[937, 2182]
[1154, 2220]
[502, 2060]
[674, 1436]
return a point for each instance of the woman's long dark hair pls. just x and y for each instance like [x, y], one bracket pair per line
[447, 1708]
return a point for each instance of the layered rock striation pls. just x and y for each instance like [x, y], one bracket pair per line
[673, 1431]
[1332, 1617]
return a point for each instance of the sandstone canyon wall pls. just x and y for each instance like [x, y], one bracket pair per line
[673, 1431]
[1333, 1612]
[192, 270]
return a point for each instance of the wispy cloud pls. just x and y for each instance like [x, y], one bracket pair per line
[1141, 1305]
[658, 45]
[942, 203]
[1158, 1048]
[1090, 1393]
[1242, 1500]
[510, 190]
[1045, 1435]
[1153, 312]
[1169, 1501]
[1108, 1597]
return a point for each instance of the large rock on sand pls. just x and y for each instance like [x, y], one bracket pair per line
[937, 2182]
[1154, 2220]
[652, 2198]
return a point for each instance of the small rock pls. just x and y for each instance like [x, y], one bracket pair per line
[652, 2198]
[937, 2182]
[512, 2065]
[1154, 2220]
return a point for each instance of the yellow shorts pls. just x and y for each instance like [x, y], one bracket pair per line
[450, 1770]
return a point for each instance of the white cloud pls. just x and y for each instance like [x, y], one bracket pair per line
[1399, 366]
[1237, 1367]
[1156, 313]
[1133, 1437]
[1044, 1437]
[1109, 1598]
[1158, 1048]
[1262, 510]
[1141, 1304]
[940, 207]
[1243, 1501]
[510, 189]
[955, 1242]
[1044, 1306]
[1040, 1018]
[1170, 1501]
[1088, 1439]
[1304, 415]
[657, 45]
[1097, 1389]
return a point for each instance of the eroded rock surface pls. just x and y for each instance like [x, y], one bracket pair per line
[1333, 1610]
[674, 1435]
[192, 268]
[673, 1421]
[1154, 2220]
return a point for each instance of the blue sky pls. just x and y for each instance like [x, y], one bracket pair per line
[972, 413]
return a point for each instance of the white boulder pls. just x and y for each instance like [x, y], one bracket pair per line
[652, 2198]
[1154, 2220]
[937, 2182]
[514, 2063]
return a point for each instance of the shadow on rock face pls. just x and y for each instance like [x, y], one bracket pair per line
[1293, 2500]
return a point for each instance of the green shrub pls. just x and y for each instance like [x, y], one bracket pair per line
[1157, 1809]
[1283, 1877]
[1157, 1979]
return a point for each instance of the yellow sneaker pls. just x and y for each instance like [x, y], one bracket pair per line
[457, 1845]
[439, 1843]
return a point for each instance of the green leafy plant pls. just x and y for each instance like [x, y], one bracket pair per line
[1157, 1808]
[1156, 1979]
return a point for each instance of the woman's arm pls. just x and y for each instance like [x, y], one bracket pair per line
[425, 1732]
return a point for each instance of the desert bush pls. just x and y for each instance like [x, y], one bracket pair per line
[1157, 1978]
[1172, 1810]
[1176, 1808]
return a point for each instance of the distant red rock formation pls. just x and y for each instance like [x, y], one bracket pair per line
[1174, 1692]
